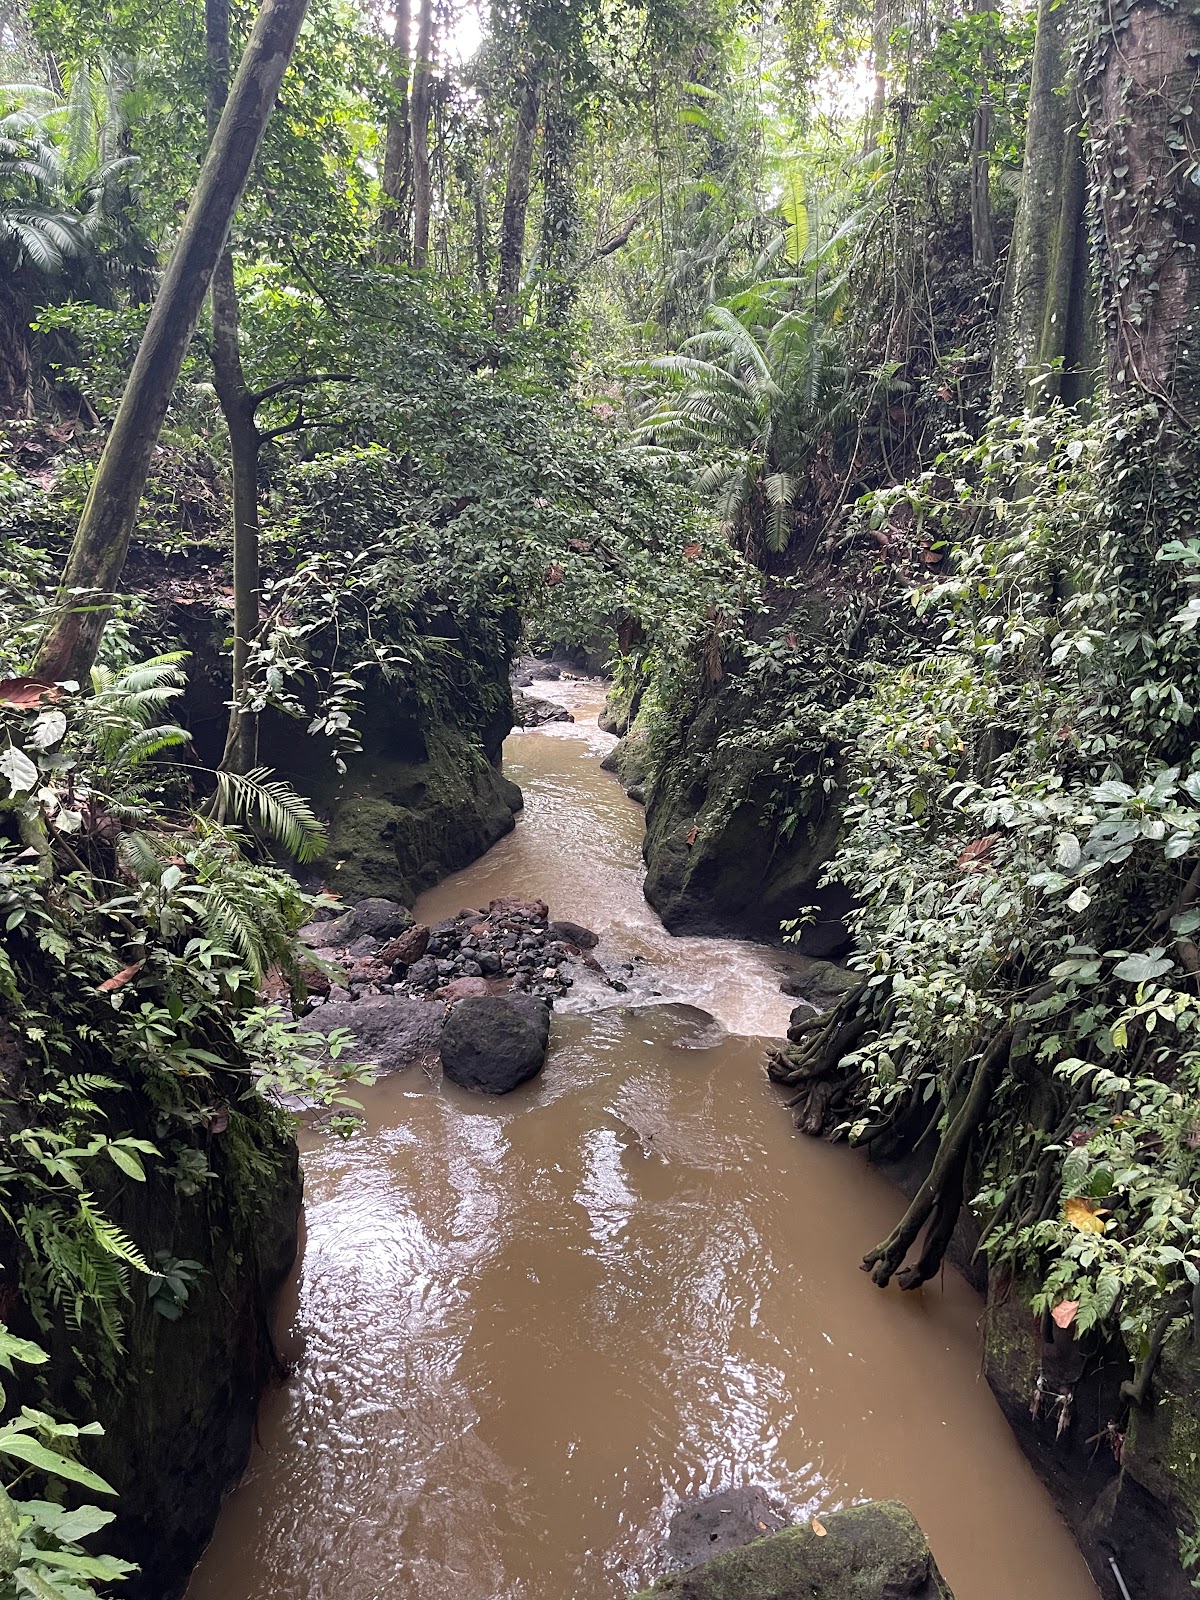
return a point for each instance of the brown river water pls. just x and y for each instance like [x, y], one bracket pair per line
[526, 1327]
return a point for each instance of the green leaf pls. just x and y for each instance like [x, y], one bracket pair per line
[127, 1161]
[22, 1448]
[30, 1583]
[10, 1535]
[1140, 969]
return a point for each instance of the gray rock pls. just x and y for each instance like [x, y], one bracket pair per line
[705, 1525]
[531, 711]
[423, 973]
[494, 1042]
[365, 945]
[334, 934]
[573, 933]
[869, 1552]
[390, 1031]
[384, 919]
[822, 983]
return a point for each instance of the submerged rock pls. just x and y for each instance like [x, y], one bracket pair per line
[869, 1552]
[495, 1042]
[573, 933]
[707, 1525]
[390, 1031]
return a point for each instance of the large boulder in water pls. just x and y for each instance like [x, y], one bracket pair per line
[495, 1042]
[870, 1552]
[390, 1031]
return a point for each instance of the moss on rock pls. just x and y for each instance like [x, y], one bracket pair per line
[869, 1552]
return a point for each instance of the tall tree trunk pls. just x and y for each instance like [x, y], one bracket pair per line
[97, 557]
[516, 199]
[1143, 117]
[397, 154]
[560, 206]
[238, 408]
[983, 241]
[422, 104]
[881, 36]
[1044, 311]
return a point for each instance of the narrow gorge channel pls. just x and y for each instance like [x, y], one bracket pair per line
[523, 1329]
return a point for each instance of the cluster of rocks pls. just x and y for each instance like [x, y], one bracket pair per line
[380, 949]
[477, 987]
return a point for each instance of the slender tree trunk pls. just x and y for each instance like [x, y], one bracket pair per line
[516, 200]
[1043, 309]
[397, 154]
[881, 31]
[422, 104]
[238, 407]
[1143, 117]
[983, 241]
[479, 202]
[97, 557]
[560, 207]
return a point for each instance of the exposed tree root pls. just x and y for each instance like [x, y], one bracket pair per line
[812, 1057]
[939, 1199]
[1137, 1389]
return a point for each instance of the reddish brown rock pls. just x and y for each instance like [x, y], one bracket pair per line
[462, 989]
[407, 948]
[537, 909]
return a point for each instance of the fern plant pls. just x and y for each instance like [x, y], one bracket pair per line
[753, 402]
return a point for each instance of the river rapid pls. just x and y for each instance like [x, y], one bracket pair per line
[524, 1328]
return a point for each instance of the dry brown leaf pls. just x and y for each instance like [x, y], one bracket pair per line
[554, 575]
[693, 835]
[1083, 1215]
[690, 552]
[818, 1529]
[26, 692]
[1065, 1312]
[978, 851]
[120, 979]
[218, 1119]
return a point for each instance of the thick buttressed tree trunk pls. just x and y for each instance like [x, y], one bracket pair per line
[238, 408]
[1043, 341]
[397, 153]
[516, 199]
[421, 107]
[101, 543]
[1143, 116]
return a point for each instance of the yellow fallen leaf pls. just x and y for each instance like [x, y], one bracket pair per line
[1081, 1214]
[818, 1529]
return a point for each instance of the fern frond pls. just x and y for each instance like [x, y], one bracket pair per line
[275, 807]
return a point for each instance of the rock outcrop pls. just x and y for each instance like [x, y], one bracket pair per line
[868, 1552]
[715, 861]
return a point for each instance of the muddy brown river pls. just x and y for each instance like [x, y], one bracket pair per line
[525, 1327]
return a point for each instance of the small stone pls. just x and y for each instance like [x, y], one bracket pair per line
[471, 969]
[423, 972]
[365, 945]
[461, 989]
[505, 905]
